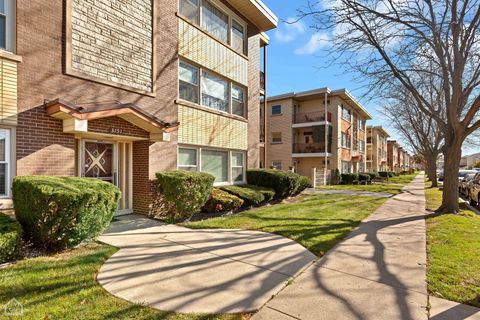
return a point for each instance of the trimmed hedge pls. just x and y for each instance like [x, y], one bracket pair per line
[222, 201]
[387, 174]
[10, 238]
[349, 178]
[285, 184]
[61, 212]
[185, 192]
[252, 195]
[373, 175]
[363, 177]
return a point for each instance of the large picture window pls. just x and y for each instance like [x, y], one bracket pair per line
[228, 167]
[216, 92]
[218, 22]
[346, 114]
[7, 25]
[4, 162]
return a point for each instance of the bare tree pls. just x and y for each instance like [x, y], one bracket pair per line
[401, 40]
[423, 135]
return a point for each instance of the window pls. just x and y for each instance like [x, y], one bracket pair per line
[361, 145]
[4, 162]
[277, 165]
[214, 92]
[361, 167]
[215, 22]
[361, 124]
[276, 137]
[7, 25]
[237, 167]
[238, 100]
[346, 114]
[238, 37]
[216, 163]
[277, 109]
[346, 167]
[346, 142]
[187, 159]
[190, 9]
[188, 86]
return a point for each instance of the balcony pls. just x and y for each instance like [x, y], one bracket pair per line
[262, 80]
[262, 133]
[310, 149]
[311, 117]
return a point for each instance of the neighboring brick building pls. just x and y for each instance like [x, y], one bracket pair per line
[377, 149]
[120, 90]
[316, 130]
[392, 155]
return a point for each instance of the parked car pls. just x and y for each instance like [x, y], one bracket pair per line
[474, 193]
[440, 175]
[464, 184]
[463, 173]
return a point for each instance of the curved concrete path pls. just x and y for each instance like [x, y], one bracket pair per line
[377, 272]
[203, 271]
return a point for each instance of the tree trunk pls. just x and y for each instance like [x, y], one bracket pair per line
[431, 170]
[452, 155]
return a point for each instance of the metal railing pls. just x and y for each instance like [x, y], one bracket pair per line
[310, 148]
[311, 117]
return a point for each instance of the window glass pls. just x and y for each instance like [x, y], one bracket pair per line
[346, 114]
[277, 165]
[2, 6]
[215, 163]
[277, 109]
[4, 162]
[276, 137]
[187, 159]
[237, 167]
[190, 10]
[238, 37]
[215, 21]
[238, 104]
[188, 82]
[214, 92]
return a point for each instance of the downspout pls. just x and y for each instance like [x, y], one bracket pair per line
[326, 141]
[265, 133]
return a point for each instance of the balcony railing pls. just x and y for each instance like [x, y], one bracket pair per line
[262, 80]
[310, 148]
[262, 133]
[311, 117]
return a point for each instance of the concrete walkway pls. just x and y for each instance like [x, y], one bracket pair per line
[377, 272]
[204, 271]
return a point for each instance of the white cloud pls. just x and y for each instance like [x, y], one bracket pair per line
[317, 41]
[289, 30]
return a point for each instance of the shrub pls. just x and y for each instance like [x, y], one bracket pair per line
[363, 177]
[304, 184]
[10, 238]
[285, 184]
[373, 175]
[336, 177]
[383, 174]
[252, 195]
[184, 192]
[61, 212]
[222, 201]
[349, 178]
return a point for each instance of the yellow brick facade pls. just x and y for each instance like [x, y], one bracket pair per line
[8, 92]
[204, 128]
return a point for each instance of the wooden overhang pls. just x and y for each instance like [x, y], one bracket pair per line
[75, 117]
[257, 12]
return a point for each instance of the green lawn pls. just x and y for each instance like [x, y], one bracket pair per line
[453, 247]
[384, 187]
[317, 222]
[392, 186]
[63, 286]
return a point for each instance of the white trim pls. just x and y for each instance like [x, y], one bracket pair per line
[311, 124]
[8, 164]
[311, 155]
[10, 26]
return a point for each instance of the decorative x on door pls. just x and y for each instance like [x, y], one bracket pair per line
[99, 161]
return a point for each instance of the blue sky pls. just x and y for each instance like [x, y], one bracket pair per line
[297, 58]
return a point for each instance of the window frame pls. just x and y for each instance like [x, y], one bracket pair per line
[10, 26]
[231, 17]
[349, 113]
[280, 167]
[7, 162]
[180, 166]
[276, 114]
[216, 75]
[229, 152]
[273, 138]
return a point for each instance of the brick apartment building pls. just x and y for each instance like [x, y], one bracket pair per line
[316, 130]
[377, 149]
[119, 90]
[392, 155]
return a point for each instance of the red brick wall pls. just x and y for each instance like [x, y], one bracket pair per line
[142, 185]
[106, 124]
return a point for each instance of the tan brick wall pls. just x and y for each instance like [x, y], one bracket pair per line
[112, 40]
[202, 127]
[253, 155]
[280, 123]
[8, 92]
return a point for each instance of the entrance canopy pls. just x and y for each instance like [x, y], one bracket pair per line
[75, 117]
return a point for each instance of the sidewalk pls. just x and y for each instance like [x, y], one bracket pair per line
[377, 272]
